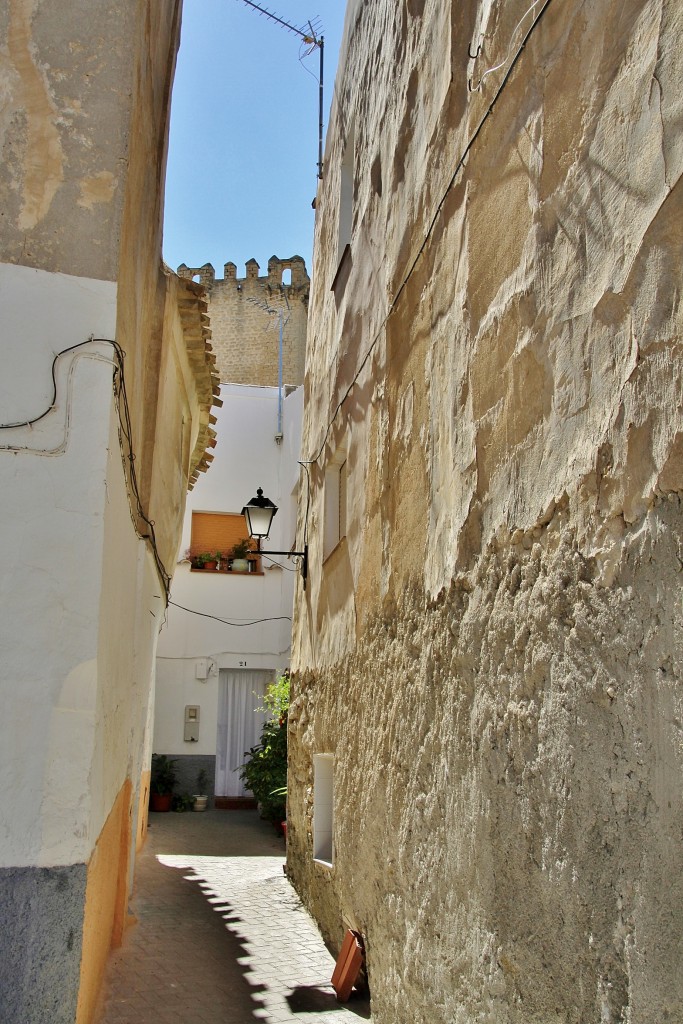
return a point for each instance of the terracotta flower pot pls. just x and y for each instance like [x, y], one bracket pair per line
[160, 801]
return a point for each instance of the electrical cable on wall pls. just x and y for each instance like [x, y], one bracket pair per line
[42, 415]
[254, 622]
[458, 167]
[126, 428]
[125, 431]
[305, 465]
[240, 652]
[503, 62]
[287, 568]
[59, 448]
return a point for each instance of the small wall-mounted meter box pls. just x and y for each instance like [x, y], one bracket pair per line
[191, 723]
[201, 668]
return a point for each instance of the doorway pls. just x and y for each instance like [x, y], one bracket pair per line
[240, 693]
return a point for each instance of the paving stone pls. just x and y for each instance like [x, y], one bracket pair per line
[213, 938]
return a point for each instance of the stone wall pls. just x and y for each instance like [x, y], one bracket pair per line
[245, 314]
[493, 651]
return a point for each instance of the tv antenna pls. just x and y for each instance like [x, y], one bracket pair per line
[309, 34]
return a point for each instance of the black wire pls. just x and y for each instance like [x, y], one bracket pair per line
[205, 615]
[305, 465]
[125, 427]
[307, 54]
[432, 224]
[36, 419]
[125, 430]
[287, 568]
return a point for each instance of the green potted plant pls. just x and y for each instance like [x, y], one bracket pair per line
[204, 559]
[182, 802]
[162, 782]
[238, 554]
[201, 796]
[265, 770]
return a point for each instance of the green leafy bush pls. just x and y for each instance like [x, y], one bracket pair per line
[182, 802]
[265, 770]
[164, 774]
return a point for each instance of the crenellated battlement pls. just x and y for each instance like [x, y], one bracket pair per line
[298, 284]
[243, 339]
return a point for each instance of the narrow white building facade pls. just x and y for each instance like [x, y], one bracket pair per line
[228, 633]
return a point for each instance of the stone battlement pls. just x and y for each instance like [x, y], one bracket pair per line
[244, 334]
[276, 267]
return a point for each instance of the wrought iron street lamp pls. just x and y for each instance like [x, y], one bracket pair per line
[259, 513]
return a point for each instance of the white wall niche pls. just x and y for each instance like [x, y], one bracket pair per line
[323, 809]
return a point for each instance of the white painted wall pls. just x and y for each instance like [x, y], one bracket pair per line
[80, 595]
[131, 611]
[246, 457]
[54, 480]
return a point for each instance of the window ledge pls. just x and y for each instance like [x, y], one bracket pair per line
[323, 863]
[226, 572]
[344, 267]
[334, 551]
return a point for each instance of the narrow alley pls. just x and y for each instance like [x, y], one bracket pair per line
[220, 936]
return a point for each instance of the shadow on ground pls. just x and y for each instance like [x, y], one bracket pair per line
[213, 941]
[315, 999]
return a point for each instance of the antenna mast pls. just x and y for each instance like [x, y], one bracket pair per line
[310, 36]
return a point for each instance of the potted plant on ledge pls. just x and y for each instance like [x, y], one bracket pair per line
[239, 561]
[162, 782]
[204, 560]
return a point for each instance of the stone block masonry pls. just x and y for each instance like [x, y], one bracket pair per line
[489, 662]
[245, 336]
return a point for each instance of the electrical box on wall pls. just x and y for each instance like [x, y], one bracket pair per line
[191, 723]
[201, 668]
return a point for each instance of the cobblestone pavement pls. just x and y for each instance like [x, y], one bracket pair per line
[221, 937]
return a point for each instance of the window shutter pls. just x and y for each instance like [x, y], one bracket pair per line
[218, 531]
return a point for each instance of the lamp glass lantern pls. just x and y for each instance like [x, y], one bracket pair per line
[259, 513]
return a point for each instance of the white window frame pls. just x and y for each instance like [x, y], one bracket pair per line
[323, 809]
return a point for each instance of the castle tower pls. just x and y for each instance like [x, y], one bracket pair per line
[245, 336]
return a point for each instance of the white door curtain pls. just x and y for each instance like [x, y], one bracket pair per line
[240, 692]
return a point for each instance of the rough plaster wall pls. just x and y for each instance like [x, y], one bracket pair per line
[84, 97]
[516, 783]
[40, 943]
[143, 286]
[493, 652]
[84, 104]
[66, 85]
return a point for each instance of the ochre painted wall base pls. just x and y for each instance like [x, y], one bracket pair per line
[106, 901]
[143, 812]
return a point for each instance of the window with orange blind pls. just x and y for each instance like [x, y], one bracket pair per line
[218, 532]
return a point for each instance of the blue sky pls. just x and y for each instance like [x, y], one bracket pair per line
[244, 133]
